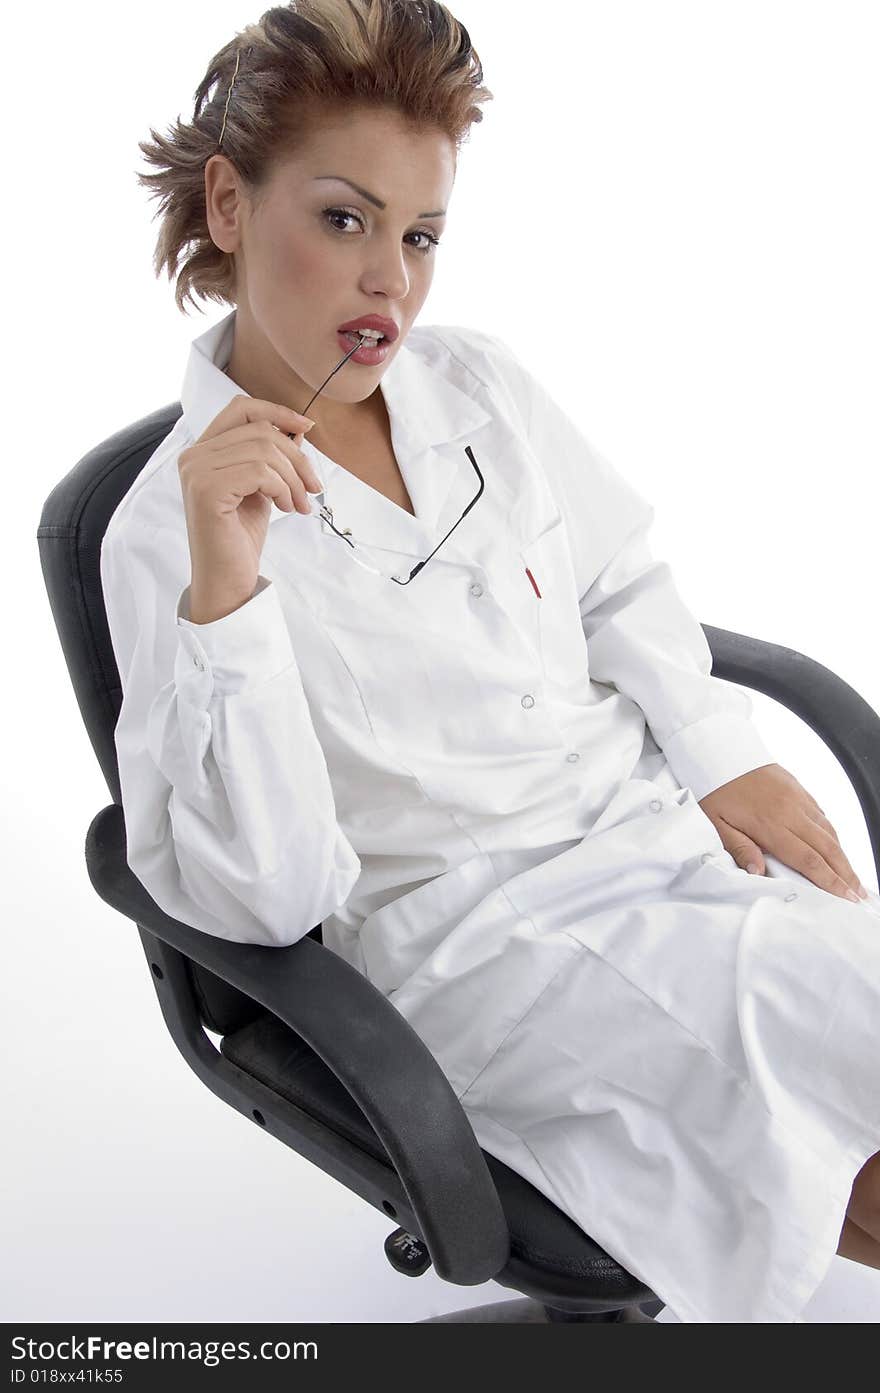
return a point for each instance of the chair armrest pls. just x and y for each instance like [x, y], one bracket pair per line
[829, 706]
[370, 1047]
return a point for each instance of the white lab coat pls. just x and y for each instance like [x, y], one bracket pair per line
[484, 785]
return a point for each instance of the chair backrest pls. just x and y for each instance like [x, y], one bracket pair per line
[72, 526]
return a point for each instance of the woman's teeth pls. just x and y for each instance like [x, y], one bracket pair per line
[356, 335]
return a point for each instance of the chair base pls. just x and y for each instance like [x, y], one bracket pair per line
[529, 1312]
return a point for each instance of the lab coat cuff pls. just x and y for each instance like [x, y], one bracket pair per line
[234, 654]
[711, 752]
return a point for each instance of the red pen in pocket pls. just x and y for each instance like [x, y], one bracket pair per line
[532, 579]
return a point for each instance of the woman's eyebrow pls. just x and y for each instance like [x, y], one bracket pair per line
[439, 213]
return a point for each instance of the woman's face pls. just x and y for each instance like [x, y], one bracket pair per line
[315, 253]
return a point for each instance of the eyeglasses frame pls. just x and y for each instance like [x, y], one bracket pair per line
[326, 513]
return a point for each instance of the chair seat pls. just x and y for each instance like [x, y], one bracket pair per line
[550, 1254]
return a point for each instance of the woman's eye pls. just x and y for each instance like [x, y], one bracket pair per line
[432, 241]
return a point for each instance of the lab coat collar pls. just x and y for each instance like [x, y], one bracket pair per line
[432, 420]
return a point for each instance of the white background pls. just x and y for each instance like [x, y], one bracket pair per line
[672, 212]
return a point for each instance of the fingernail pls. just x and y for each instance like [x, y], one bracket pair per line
[753, 869]
[863, 894]
[851, 895]
[318, 489]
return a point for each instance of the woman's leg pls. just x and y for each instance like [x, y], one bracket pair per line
[860, 1235]
[864, 1203]
[858, 1246]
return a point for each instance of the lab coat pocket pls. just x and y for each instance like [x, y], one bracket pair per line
[549, 584]
[479, 982]
[397, 938]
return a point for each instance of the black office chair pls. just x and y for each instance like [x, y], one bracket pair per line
[310, 1049]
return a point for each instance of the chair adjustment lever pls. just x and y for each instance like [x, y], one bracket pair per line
[407, 1253]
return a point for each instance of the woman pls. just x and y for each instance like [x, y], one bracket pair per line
[457, 713]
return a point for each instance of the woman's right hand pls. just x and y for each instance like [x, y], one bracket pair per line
[229, 478]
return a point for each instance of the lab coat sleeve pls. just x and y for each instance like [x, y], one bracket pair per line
[229, 812]
[643, 640]
[641, 637]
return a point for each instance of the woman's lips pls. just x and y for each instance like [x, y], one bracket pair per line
[367, 354]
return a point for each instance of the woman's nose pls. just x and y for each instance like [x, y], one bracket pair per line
[386, 272]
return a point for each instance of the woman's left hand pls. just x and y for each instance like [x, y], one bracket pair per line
[767, 808]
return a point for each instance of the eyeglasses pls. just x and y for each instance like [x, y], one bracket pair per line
[326, 514]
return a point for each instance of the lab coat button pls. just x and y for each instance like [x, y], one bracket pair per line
[477, 589]
[706, 856]
[573, 757]
[792, 896]
[656, 805]
[528, 701]
[197, 662]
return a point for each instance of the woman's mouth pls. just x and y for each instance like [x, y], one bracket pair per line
[369, 353]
